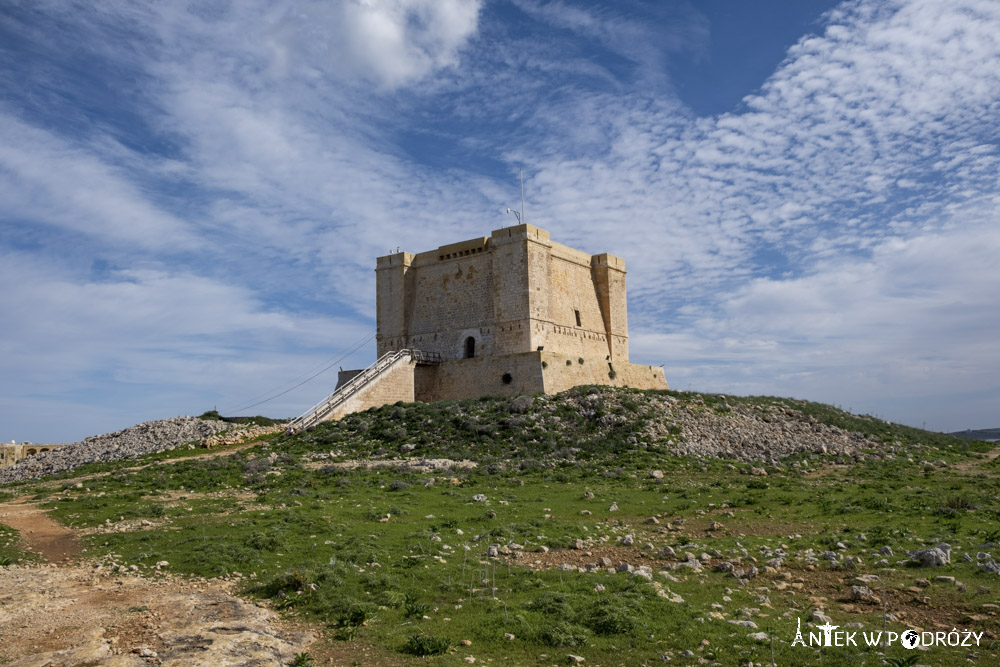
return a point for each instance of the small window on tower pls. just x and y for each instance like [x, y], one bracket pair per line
[577, 312]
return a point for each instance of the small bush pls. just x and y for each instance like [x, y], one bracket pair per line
[421, 645]
[553, 604]
[959, 501]
[356, 614]
[612, 617]
[569, 362]
[580, 361]
[265, 541]
[562, 634]
[416, 609]
[255, 466]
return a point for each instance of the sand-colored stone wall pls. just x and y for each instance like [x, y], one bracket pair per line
[395, 384]
[564, 372]
[513, 292]
[530, 373]
[483, 376]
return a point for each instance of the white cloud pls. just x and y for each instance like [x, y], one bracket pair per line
[48, 179]
[840, 214]
[916, 319]
[141, 334]
[390, 43]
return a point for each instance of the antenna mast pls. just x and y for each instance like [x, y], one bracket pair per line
[520, 217]
[522, 197]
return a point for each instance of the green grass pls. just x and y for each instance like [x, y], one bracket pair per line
[11, 551]
[396, 558]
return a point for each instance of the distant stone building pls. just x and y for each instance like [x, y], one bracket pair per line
[512, 313]
[14, 452]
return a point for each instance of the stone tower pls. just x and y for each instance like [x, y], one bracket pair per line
[514, 304]
[512, 313]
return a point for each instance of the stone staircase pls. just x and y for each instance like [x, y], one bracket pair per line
[377, 372]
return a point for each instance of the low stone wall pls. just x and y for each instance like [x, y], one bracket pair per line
[502, 375]
[480, 376]
[564, 372]
[529, 373]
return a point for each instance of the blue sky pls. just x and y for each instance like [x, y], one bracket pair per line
[192, 195]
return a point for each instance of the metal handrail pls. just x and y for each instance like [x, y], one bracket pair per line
[356, 383]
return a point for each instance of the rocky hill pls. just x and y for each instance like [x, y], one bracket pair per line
[594, 423]
[128, 443]
[580, 424]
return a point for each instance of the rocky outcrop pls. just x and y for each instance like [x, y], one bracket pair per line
[145, 438]
[737, 431]
[751, 434]
[241, 433]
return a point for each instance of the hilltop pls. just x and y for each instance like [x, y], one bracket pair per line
[611, 525]
[979, 434]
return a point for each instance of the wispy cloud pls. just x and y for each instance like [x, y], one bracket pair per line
[205, 187]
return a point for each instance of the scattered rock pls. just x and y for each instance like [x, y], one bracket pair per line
[933, 557]
[520, 405]
[863, 594]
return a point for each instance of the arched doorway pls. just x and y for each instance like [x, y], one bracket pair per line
[470, 347]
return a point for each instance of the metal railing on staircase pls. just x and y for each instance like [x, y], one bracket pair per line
[384, 364]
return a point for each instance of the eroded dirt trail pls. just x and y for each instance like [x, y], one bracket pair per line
[71, 613]
[78, 615]
[975, 465]
[39, 533]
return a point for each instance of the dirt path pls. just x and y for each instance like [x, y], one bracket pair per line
[39, 533]
[65, 613]
[973, 464]
[79, 615]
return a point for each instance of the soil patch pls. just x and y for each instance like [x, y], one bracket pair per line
[39, 533]
[972, 465]
[82, 616]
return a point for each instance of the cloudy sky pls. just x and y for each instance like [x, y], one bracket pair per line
[193, 194]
